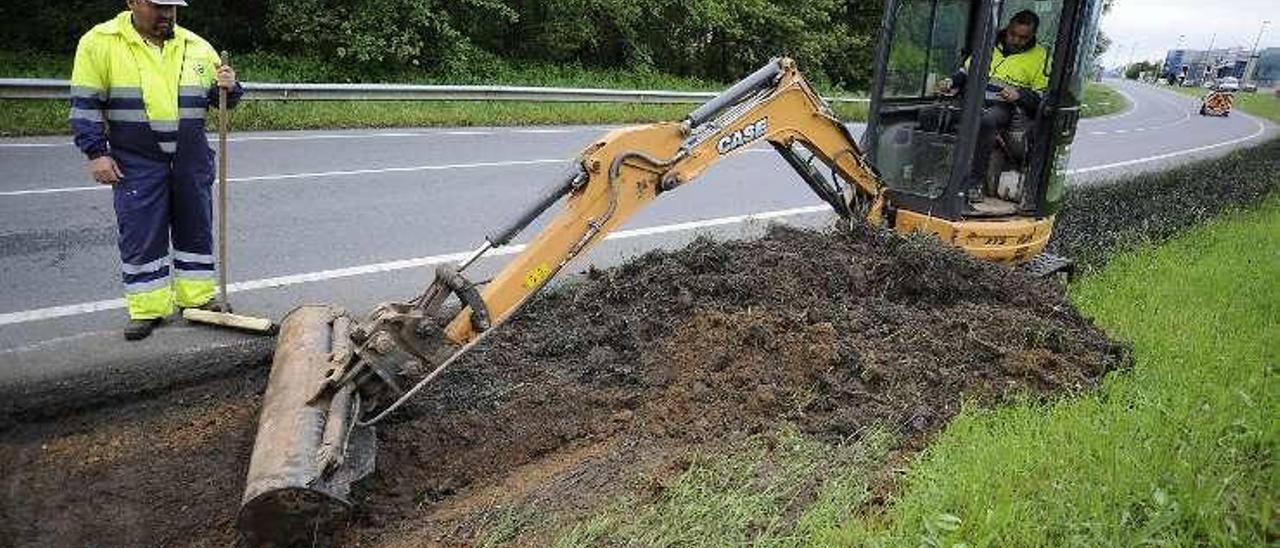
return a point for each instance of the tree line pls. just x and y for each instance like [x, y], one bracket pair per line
[365, 40]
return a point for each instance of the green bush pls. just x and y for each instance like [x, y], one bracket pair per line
[471, 40]
[1100, 220]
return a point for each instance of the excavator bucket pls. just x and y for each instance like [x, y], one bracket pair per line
[309, 448]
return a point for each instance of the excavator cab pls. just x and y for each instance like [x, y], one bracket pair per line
[922, 141]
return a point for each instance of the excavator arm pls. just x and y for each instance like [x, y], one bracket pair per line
[626, 169]
[333, 377]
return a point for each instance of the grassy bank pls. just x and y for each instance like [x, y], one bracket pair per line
[748, 499]
[1101, 100]
[1180, 451]
[50, 117]
[1263, 104]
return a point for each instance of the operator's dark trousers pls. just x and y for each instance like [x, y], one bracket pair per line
[995, 117]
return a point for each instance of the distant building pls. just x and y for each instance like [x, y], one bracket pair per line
[1267, 74]
[1196, 66]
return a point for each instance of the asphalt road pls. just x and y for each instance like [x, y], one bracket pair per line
[358, 217]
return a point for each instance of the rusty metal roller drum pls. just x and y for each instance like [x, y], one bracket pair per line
[296, 488]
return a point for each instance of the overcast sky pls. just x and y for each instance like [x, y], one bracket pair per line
[1149, 28]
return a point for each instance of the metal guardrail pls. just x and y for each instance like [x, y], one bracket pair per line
[39, 88]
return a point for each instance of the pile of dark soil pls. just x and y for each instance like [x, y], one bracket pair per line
[615, 376]
[1098, 221]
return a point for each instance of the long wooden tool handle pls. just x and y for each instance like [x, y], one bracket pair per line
[223, 129]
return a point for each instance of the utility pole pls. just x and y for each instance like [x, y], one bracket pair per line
[1252, 66]
[1170, 69]
[1211, 60]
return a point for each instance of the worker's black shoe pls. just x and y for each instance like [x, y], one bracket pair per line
[140, 329]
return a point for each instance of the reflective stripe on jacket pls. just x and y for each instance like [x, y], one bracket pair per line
[150, 103]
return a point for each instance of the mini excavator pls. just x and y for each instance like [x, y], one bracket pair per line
[334, 376]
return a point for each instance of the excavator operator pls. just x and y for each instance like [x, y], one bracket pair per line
[1019, 75]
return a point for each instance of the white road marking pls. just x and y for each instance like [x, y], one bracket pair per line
[345, 136]
[38, 314]
[323, 174]
[1186, 117]
[397, 170]
[540, 131]
[1133, 107]
[316, 175]
[1261, 129]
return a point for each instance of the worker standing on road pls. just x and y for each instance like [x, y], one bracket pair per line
[1020, 72]
[139, 92]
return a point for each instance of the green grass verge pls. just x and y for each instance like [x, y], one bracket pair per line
[780, 489]
[1180, 451]
[1263, 104]
[1101, 100]
[50, 117]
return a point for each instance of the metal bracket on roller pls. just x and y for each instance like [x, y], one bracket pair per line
[309, 449]
[327, 371]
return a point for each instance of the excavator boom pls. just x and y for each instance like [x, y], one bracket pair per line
[626, 169]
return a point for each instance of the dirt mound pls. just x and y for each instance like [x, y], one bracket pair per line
[611, 377]
[631, 367]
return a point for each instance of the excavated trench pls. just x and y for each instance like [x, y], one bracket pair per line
[619, 372]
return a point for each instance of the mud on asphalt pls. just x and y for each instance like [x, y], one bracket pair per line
[601, 387]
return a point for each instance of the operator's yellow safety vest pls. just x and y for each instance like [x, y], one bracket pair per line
[1029, 69]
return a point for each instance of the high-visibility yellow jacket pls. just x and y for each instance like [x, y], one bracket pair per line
[1028, 69]
[146, 103]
